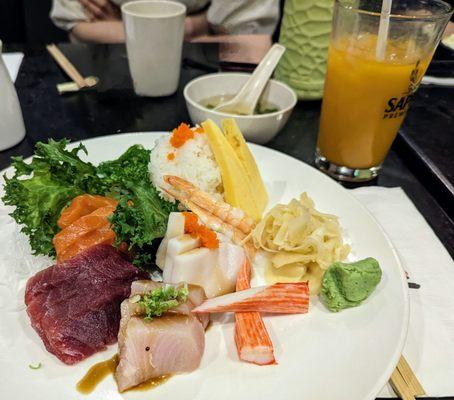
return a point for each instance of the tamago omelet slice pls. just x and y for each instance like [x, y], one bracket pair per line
[236, 139]
[237, 186]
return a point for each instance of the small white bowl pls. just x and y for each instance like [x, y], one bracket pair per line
[259, 128]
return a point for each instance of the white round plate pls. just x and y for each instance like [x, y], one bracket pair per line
[321, 355]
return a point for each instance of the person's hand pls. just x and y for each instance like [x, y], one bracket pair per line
[101, 10]
[449, 29]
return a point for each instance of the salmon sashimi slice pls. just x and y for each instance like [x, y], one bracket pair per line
[87, 231]
[251, 337]
[102, 235]
[280, 298]
[83, 205]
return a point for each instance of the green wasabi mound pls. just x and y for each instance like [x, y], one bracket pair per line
[347, 285]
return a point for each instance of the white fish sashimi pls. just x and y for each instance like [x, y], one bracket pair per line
[170, 344]
[213, 269]
[176, 246]
[197, 267]
[195, 298]
[144, 286]
[175, 227]
[182, 259]
[231, 258]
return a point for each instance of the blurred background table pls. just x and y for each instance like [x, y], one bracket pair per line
[420, 162]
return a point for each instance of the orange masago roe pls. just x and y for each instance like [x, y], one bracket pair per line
[192, 227]
[84, 225]
[181, 135]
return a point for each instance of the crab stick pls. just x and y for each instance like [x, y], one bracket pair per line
[280, 298]
[251, 337]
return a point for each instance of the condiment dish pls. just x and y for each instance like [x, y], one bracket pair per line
[258, 128]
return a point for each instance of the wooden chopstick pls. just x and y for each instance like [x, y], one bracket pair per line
[409, 377]
[401, 387]
[405, 382]
[66, 65]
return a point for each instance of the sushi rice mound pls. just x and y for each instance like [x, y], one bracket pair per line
[193, 161]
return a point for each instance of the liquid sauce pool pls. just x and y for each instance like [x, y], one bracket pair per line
[101, 370]
[96, 374]
[263, 107]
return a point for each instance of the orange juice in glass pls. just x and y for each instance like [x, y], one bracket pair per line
[366, 96]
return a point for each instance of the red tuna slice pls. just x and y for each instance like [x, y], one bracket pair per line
[75, 306]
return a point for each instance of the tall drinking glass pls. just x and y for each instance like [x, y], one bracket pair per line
[367, 92]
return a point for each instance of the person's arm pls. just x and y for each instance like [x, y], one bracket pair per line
[113, 31]
[196, 25]
[104, 25]
[99, 32]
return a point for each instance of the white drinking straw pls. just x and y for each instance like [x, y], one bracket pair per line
[383, 29]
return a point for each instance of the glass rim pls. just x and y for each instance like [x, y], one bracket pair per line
[449, 9]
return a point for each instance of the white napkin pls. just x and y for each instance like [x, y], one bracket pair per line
[13, 62]
[429, 348]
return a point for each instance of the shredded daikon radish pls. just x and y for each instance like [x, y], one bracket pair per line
[301, 242]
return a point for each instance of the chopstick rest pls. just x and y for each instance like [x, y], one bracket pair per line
[70, 87]
[70, 70]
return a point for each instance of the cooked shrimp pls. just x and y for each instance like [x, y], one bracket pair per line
[231, 215]
[210, 220]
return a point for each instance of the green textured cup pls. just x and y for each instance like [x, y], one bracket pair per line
[305, 31]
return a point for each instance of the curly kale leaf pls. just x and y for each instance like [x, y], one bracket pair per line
[131, 166]
[39, 190]
[141, 217]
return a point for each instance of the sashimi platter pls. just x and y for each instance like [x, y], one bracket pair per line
[191, 265]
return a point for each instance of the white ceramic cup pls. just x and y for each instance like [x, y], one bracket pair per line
[154, 39]
[12, 129]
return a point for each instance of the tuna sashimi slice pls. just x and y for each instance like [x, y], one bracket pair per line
[75, 306]
[251, 337]
[280, 298]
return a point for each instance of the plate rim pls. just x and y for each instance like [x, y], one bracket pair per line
[384, 378]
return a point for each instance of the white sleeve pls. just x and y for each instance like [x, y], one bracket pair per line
[194, 5]
[244, 16]
[67, 13]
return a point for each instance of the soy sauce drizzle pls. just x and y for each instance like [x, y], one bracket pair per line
[96, 374]
[101, 370]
